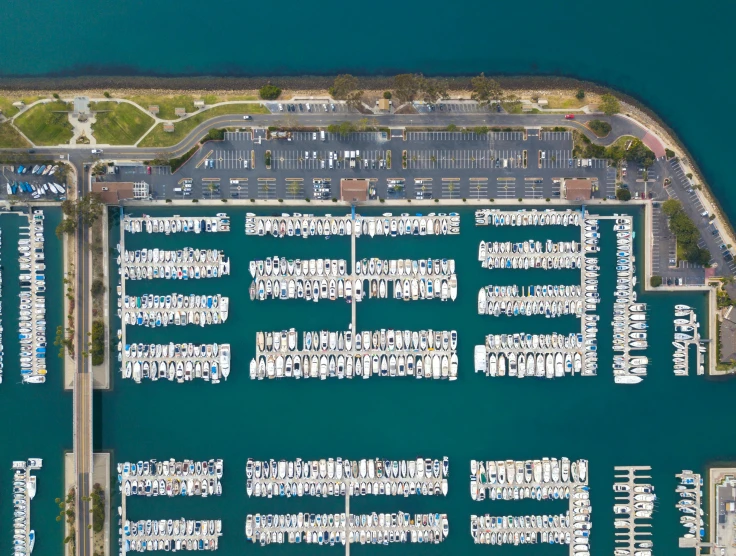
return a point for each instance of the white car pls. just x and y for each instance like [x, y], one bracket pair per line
[246, 117]
[96, 151]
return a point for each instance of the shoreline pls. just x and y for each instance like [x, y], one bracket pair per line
[314, 85]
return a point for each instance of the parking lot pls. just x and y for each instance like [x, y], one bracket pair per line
[306, 106]
[439, 165]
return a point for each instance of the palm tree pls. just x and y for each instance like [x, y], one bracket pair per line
[451, 188]
[293, 188]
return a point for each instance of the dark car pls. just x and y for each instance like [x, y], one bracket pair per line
[31, 151]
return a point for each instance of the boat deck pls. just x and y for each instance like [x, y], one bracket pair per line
[691, 484]
[695, 341]
[175, 224]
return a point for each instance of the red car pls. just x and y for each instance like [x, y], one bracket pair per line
[570, 117]
[148, 169]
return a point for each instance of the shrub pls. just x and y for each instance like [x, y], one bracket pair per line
[168, 200]
[601, 129]
[387, 95]
[252, 200]
[580, 95]
[195, 200]
[98, 287]
[281, 200]
[56, 96]
[464, 199]
[98, 342]
[547, 199]
[436, 200]
[308, 200]
[623, 194]
[269, 92]
[107, 95]
[223, 200]
[334, 199]
[452, 127]
[655, 281]
[669, 153]
[382, 200]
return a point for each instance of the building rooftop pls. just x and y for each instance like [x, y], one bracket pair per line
[578, 189]
[354, 189]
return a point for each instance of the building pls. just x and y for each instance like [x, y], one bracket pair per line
[384, 105]
[113, 192]
[153, 109]
[354, 190]
[198, 104]
[169, 128]
[542, 102]
[179, 112]
[577, 189]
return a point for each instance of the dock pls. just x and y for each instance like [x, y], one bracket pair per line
[387, 225]
[632, 514]
[327, 354]
[180, 362]
[686, 323]
[545, 479]
[341, 477]
[168, 534]
[24, 490]
[32, 325]
[690, 490]
[524, 217]
[184, 264]
[175, 224]
[346, 528]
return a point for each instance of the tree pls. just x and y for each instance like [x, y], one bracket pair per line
[600, 128]
[655, 281]
[641, 154]
[669, 153]
[580, 95]
[354, 99]
[269, 92]
[387, 95]
[406, 86]
[66, 226]
[609, 105]
[293, 188]
[623, 194]
[485, 89]
[343, 84]
[432, 88]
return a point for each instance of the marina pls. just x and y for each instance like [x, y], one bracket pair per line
[331, 529]
[633, 508]
[629, 317]
[690, 506]
[184, 264]
[534, 217]
[168, 478]
[387, 225]
[687, 334]
[329, 354]
[176, 362]
[545, 479]
[174, 309]
[176, 224]
[32, 316]
[24, 490]
[343, 477]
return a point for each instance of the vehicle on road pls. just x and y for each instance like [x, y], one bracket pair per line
[570, 116]
[96, 151]
[246, 117]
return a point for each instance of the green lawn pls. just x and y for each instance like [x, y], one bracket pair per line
[46, 124]
[10, 138]
[166, 104]
[124, 124]
[159, 138]
[7, 108]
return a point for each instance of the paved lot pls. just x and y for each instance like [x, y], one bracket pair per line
[449, 165]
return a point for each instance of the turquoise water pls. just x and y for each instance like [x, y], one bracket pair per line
[36, 419]
[667, 422]
[675, 59]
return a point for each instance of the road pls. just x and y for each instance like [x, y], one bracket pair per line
[82, 388]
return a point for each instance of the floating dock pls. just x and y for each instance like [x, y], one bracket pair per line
[175, 224]
[180, 362]
[690, 504]
[24, 490]
[32, 277]
[633, 508]
[545, 479]
[686, 324]
[387, 225]
[165, 310]
[523, 217]
[167, 534]
[327, 354]
[184, 264]
[342, 477]
[346, 528]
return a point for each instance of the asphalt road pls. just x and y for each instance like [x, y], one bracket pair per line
[82, 389]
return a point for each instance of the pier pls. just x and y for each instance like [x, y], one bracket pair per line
[179, 478]
[180, 362]
[184, 264]
[690, 504]
[24, 490]
[174, 224]
[345, 528]
[340, 477]
[545, 479]
[32, 316]
[326, 354]
[309, 225]
[631, 512]
[686, 323]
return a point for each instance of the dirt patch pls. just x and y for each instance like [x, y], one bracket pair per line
[407, 108]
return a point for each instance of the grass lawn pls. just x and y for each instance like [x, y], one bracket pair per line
[513, 107]
[123, 125]
[159, 138]
[7, 108]
[46, 124]
[560, 102]
[10, 138]
[166, 104]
